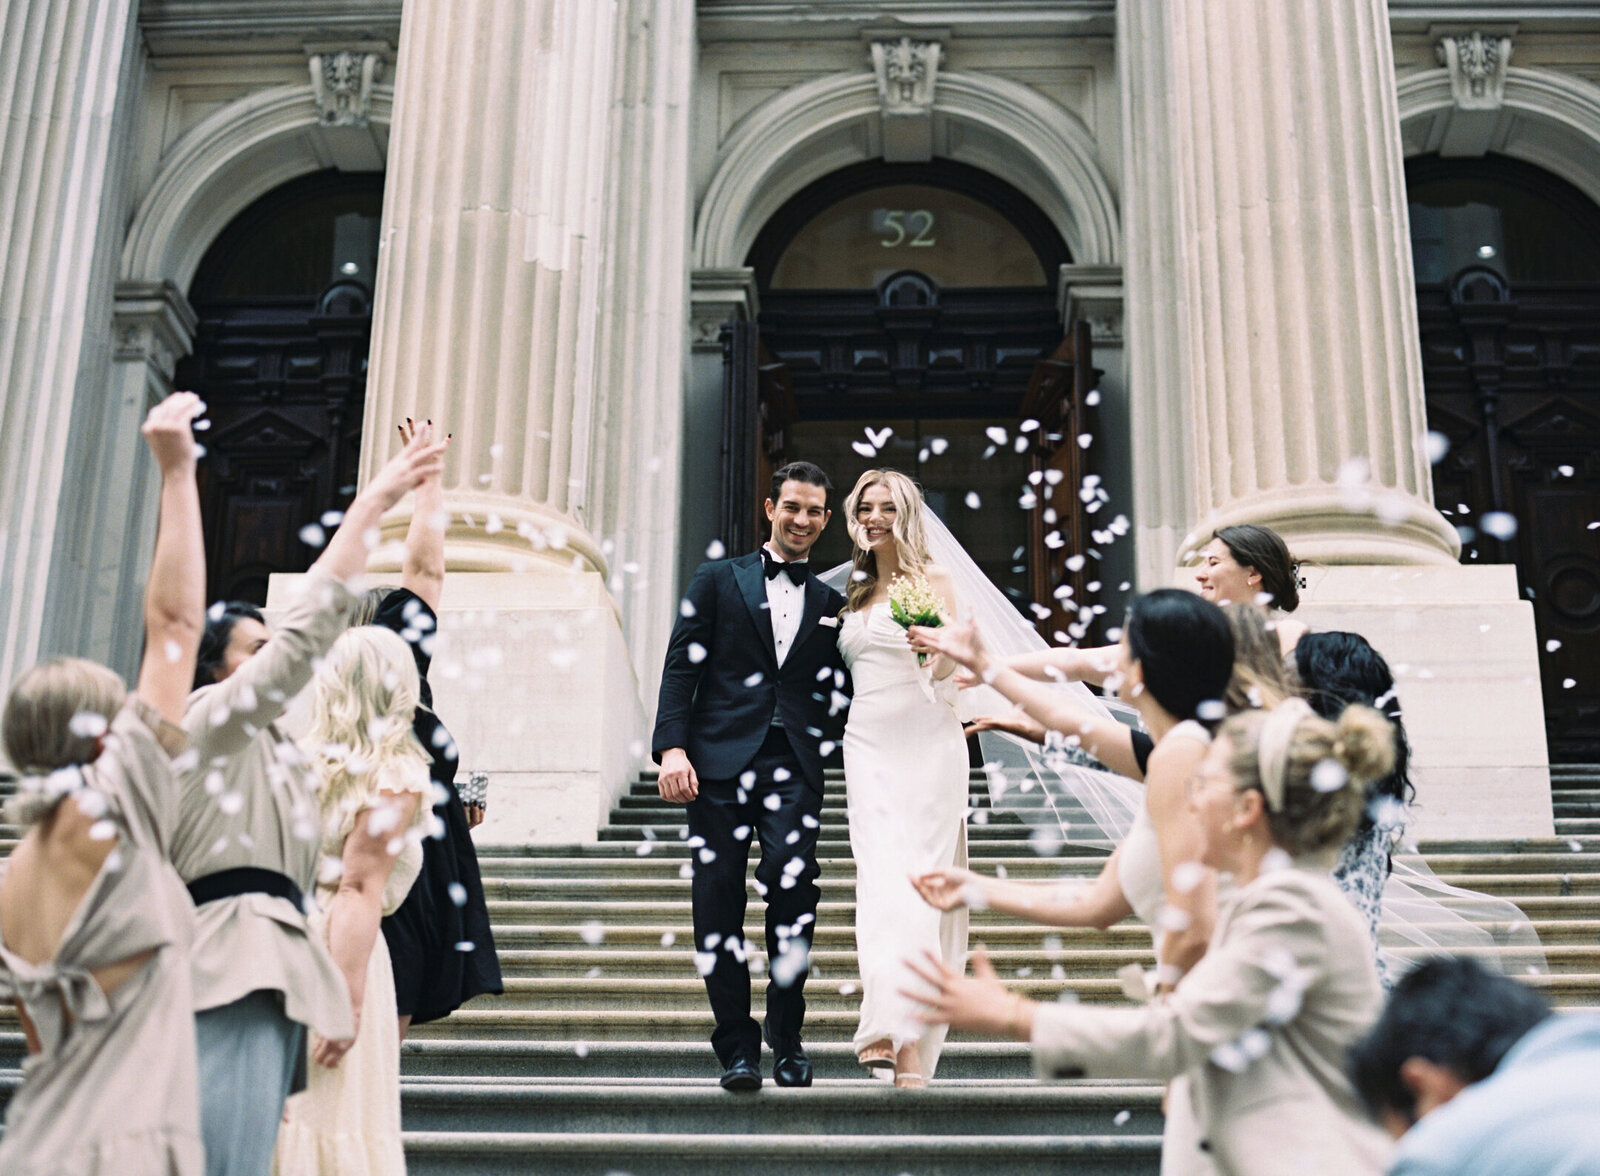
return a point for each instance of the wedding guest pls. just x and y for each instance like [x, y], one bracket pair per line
[1249, 564]
[247, 845]
[1261, 1025]
[373, 784]
[95, 925]
[1334, 670]
[1472, 1074]
[438, 939]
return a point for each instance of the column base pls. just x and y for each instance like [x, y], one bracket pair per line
[493, 533]
[1332, 525]
[1462, 646]
[531, 675]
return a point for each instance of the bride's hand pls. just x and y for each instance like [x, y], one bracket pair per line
[957, 640]
[944, 889]
[1017, 723]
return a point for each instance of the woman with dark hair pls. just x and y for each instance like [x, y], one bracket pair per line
[1175, 661]
[439, 939]
[1248, 564]
[235, 632]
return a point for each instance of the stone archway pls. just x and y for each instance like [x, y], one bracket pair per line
[223, 165]
[994, 124]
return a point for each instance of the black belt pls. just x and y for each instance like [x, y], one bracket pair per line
[244, 880]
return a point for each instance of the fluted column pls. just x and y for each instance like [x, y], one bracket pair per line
[61, 68]
[490, 268]
[644, 305]
[1272, 303]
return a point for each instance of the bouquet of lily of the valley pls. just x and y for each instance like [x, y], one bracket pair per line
[912, 601]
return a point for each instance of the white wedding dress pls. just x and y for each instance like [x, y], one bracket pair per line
[905, 771]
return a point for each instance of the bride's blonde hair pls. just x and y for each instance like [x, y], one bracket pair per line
[363, 700]
[910, 536]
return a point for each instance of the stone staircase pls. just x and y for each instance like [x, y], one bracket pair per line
[595, 1061]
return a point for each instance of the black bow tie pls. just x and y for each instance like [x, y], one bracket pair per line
[797, 572]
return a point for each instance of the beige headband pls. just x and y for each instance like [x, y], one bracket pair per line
[1272, 749]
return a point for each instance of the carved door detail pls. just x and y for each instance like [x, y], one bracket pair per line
[1512, 374]
[284, 385]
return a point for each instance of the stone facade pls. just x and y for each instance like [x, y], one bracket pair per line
[680, 129]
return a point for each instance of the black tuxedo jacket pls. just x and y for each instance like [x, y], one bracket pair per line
[722, 684]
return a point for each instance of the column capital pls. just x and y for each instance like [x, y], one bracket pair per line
[1093, 293]
[719, 296]
[152, 323]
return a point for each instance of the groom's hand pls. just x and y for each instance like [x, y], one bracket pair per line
[677, 783]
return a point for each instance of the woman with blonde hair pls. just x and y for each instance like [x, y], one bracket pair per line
[1261, 1025]
[374, 788]
[905, 767]
[95, 925]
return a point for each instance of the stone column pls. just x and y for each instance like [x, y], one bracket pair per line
[1265, 137]
[635, 483]
[489, 274]
[61, 71]
[1276, 370]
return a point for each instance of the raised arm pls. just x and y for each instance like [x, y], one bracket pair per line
[1105, 738]
[224, 718]
[423, 568]
[1067, 665]
[175, 598]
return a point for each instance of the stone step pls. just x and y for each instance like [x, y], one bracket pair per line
[617, 912]
[859, 1106]
[665, 857]
[841, 966]
[794, 1154]
[840, 886]
[1578, 826]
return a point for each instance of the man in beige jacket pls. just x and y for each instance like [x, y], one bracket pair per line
[248, 847]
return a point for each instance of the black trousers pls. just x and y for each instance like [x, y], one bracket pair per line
[770, 803]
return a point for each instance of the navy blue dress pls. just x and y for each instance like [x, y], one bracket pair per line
[439, 938]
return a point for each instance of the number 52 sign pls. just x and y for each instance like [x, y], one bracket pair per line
[912, 228]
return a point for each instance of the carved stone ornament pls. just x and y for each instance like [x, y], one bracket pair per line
[342, 82]
[1477, 63]
[906, 72]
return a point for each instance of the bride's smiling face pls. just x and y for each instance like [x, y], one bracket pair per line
[875, 518]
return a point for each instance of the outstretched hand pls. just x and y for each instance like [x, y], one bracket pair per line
[959, 640]
[169, 431]
[1015, 722]
[945, 889]
[979, 1002]
[420, 460]
[409, 430]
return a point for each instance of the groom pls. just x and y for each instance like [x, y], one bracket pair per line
[753, 697]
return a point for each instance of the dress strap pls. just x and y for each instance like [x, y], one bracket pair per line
[54, 997]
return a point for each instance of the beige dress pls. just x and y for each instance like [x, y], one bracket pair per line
[248, 798]
[347, 1121]
[113, 1091]
[1260, 1027]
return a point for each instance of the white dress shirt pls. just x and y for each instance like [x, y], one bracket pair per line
[786, 601]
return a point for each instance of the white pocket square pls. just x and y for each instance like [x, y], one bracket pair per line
[831, 622]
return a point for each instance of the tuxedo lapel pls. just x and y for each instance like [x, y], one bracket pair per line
[753, 587]
[816, 601]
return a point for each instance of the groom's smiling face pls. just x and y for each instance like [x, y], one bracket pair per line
[798, 518]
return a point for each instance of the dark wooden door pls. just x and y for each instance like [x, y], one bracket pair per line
[1512, 375]
[284, 381]
[757, 408]
[1061, 568]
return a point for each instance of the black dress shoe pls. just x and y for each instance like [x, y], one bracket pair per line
[790, 1066]
[742, 1076]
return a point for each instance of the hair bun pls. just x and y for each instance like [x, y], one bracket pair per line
[1364, 743]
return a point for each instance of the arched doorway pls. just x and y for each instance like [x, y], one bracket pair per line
[284, 301]
[1507, 259]
[908, 318]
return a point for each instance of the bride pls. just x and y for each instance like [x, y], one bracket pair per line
[905, 770]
